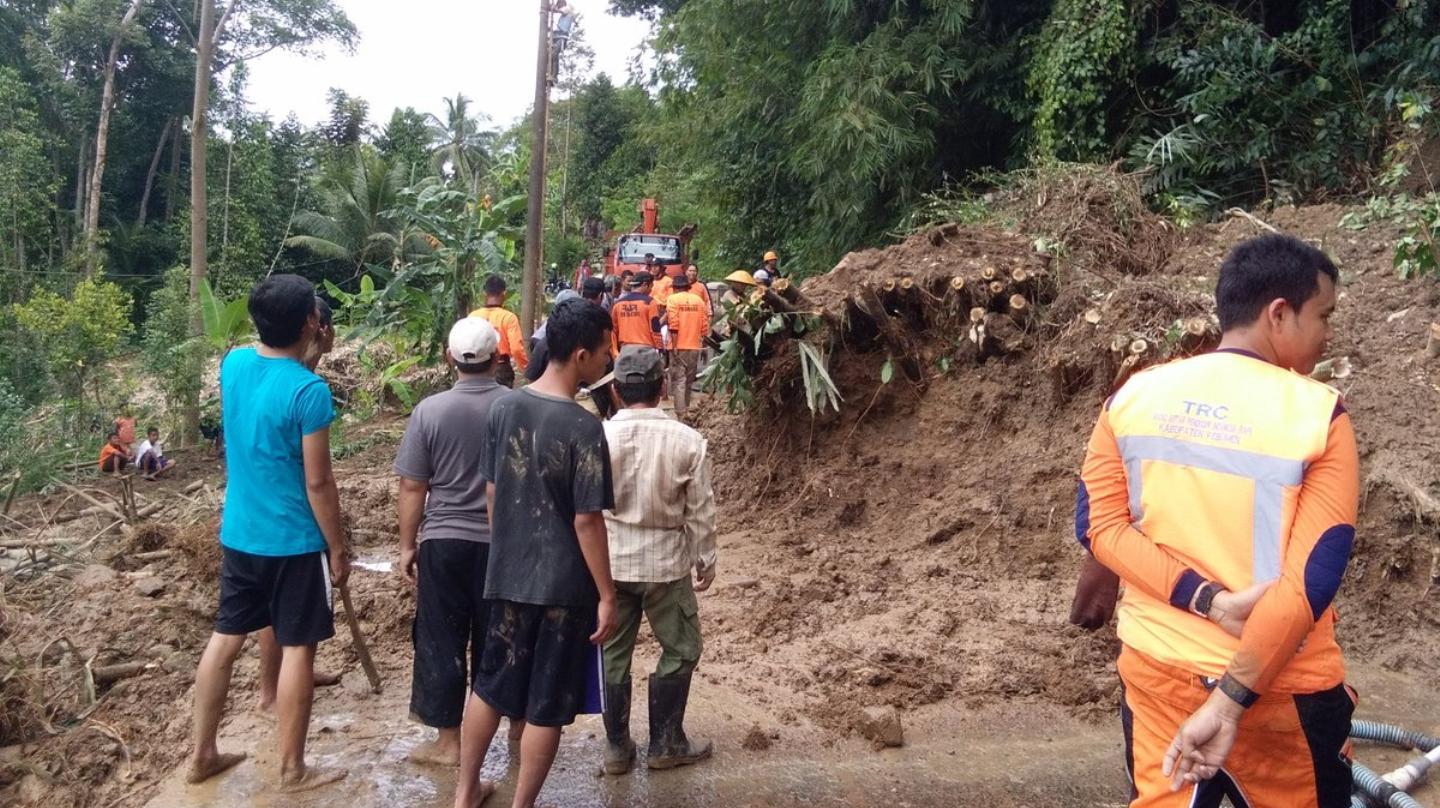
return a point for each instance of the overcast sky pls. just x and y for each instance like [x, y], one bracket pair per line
[417, 52]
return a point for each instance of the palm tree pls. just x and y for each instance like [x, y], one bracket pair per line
[356, 223]
[461, 148]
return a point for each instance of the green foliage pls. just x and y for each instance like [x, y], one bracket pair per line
[225, 324]
[172, 355]
[356, 223]
[1085, 56]
[80, 334]
[26, 182]
[727, 373]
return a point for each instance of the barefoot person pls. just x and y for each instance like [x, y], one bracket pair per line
[548, 484]
[442, 507]
[150, 457]
[661, 529]
[269, 674]
[1223, 490]
[280, 532]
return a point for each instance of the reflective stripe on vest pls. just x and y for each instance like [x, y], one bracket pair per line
[1269, 474]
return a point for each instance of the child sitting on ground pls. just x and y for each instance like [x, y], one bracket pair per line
[114, 455]
[150, 456]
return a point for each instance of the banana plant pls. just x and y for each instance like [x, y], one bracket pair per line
[226, 324]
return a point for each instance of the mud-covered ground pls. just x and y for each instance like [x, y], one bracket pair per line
[914, 551]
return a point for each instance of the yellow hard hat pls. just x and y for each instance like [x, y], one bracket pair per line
[771, 256]
[740, 276]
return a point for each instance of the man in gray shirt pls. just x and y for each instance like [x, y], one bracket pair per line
[442, 504]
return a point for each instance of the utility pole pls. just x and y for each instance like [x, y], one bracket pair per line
[534, 225]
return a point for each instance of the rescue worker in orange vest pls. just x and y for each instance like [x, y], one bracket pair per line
[636, 316]
[511, 356]
[697, 287]
[689, 319]
[1223, 490]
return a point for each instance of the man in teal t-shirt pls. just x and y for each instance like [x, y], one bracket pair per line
[281, 539]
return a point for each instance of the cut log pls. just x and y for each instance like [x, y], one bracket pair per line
[1092, 316]
[109, 674]
[1019, 309]
[1432, 341]
[988, 273]
[1119, 344]
[1138, 347]
[957, 284]
[199, 484]
[977, 314]
[1198, 335]
[997, 288]
[1127, 369]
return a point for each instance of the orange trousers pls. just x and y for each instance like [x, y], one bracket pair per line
[1292, 750]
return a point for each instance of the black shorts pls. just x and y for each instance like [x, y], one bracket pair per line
[535, 661]
[290, 593]
[110, 463]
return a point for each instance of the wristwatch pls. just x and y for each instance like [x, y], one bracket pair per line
[1204, 598]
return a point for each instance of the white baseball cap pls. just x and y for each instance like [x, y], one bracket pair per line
[473, 340]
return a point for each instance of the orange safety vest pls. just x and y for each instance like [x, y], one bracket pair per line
[1206, 458]
[512, 340]
[689, 320]
[636, 318]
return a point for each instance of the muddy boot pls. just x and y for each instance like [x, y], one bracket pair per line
[619, 747]
[668, 745]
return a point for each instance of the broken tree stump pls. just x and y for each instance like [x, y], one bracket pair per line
[1432, 341]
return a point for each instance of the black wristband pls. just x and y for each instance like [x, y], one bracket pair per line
[1205, 598]
[1238, 693]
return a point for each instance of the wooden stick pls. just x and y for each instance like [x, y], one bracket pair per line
[10, 497]
[153, 555]
[361, 648]
[1236, 212]
[103, 508]
[106, 674]
[1432, 341]
[199, 484]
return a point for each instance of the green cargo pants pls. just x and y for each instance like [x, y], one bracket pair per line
[674, 616]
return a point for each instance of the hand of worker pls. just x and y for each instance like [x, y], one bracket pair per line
[607, 619]
[704, 577]
[1230, 610]
[1095, 594]
[408, 558]
[339, 566]
[1203, 742]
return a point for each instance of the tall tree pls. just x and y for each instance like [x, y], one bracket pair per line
[254, 28]
[102, 136]
[461, 146]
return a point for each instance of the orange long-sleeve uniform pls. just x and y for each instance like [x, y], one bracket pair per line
[636, 320]
[663, 287]
[1229, 469]
[689, 319]
[512, 341]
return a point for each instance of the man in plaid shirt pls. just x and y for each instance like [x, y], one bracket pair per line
[661, 529]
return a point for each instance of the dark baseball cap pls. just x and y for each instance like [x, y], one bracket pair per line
[682, 282]
[637, 364]
[593, 287]
[641, 278]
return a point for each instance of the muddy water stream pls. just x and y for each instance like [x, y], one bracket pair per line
[1016, 755]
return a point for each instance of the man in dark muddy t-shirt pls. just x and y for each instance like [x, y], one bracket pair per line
[547, 469]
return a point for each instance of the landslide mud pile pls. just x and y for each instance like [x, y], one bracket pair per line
[919, 539]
